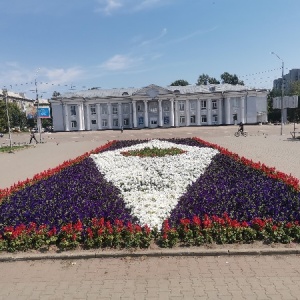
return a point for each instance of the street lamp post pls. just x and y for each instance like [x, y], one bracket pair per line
[38, 119]
[8, 121]
[282, 91]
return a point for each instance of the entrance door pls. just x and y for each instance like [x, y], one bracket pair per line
[153, 122]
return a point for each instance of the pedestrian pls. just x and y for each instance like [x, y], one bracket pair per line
[32, 137]
[121, 129]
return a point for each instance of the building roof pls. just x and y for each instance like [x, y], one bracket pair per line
[189, 89]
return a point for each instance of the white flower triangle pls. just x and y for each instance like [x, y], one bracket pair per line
[152, 186]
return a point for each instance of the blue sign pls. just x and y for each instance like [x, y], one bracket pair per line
[44, 112]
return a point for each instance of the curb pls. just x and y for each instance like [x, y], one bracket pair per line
[146, 253]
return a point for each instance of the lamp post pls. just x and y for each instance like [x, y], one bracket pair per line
[282, 91]
[8, 121]
[38, 119]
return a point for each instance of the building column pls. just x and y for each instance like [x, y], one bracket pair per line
[209, 112]
[227, 111]
[88, 119]
[80, 116]
[120, 119]
[242, 109]
[66, 117]
[172, 113]
[98, 116]
[109, 118]
[187, 112]
[146, 114]
[176, 113]
[198, 112]
[160, 121]
[134, 114]
[219, 111]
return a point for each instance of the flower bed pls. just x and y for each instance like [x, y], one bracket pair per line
[127, 193]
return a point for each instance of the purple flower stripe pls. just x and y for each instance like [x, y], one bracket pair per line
[243, 192]
[79, 192]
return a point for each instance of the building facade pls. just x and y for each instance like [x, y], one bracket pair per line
[288, 79]
[154, 106]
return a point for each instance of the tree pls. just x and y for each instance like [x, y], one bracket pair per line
[179, 82]
[231, 79]
[295, 88]
[55, 94]
[17, 117]
[204, 79]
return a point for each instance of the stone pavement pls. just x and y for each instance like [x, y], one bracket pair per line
[217, 275]
[208, 277]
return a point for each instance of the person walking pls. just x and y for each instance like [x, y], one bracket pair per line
[32, 137]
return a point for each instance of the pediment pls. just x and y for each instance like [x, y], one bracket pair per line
[152, 91]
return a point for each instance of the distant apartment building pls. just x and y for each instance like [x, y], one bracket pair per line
[288, 79]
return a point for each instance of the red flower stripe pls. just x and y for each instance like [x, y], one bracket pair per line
[45, 174]
[270, 172]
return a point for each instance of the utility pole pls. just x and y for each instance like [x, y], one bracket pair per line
[8, 121]
[282, 92]
[38, 119]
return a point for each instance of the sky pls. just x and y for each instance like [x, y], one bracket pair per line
[73, 45]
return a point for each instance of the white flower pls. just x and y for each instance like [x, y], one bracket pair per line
[152, 186]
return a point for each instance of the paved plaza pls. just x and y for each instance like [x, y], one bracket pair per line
[209, 276]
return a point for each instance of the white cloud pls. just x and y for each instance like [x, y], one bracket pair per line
[110, 6]
[162, 34]
[120, 62]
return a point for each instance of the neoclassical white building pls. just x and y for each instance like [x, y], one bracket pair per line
[155, 106]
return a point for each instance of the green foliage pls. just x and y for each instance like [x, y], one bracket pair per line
[295, 88]
[16, 116]
[153, 152]
[204, 79]
[231, 79]
[179, 82]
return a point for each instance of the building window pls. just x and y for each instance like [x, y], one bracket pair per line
[203, 104]
[141, 120]
[139, 107]
[104, 123]
[166, 120]
[94, 122]
[182, 119]
[104, 109]
[153, 121]
[203, 119]
[193, 119]
[125, 109]
[181, 106]
[214, 104]
[115, 110]
[126, 122]
[215, 119]
[192, 105]
[93, 109]
[73, 124]
[115, 122]
[73, 110]
[153, 107]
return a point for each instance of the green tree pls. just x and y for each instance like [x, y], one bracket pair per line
[55, 94]
[231, 79]
[17, 117]
[204, 79]
[295, 88]
[179, 82]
